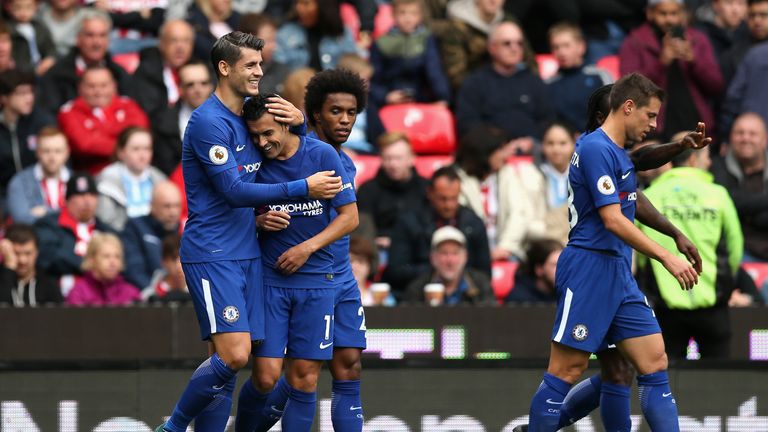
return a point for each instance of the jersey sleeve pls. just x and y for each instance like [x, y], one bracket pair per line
[209, 142]
[330, 160]
[598, 165]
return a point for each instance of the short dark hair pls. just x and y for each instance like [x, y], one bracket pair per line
[476, 147]
[228, 48]
[360, 245]
[636, 87]
[447, 171]
[12, 78]
[256, 106]
[194, 62]
[127, 133]
[170, 246]
[598, 106]
[537, 253]
[752, 2]
[21, 234]
[96, 67]
[333, 81]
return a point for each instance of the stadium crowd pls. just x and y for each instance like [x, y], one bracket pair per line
[474, 109]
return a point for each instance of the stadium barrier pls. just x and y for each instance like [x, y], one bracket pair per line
[426, 370]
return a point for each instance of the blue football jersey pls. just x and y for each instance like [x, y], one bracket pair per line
[600, 174]
[340, 248]
[219, 163]
[308, 216]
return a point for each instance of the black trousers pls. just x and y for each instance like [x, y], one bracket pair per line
[711, 327]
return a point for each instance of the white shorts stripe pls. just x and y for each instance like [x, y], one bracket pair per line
[209, 305]
[564, 318]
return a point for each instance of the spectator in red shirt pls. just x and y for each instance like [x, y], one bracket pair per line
[93, 121]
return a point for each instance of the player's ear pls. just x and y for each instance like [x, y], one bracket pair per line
[316, 116]
[223, 68]
[629, 106]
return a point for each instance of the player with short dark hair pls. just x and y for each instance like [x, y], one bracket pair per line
[299, 272]
[602, 201]
[220, 252]
[584, 397]
[333, 99]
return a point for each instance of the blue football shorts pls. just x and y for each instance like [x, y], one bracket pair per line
[349, 315]
[599, 302]
[228, 296]
[299, 323]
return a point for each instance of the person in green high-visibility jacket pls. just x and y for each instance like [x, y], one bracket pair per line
[705, 213]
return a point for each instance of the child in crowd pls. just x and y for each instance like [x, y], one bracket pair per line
[102, 284]
[362, 255]
[407, 64]
[33, 46]
[125, 186]
[168, 283]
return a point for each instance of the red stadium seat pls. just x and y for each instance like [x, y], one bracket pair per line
[611, 64]
[503, 278]
[426, 165]
[430, 128]
[758, 271]
[128, 61]
[384, 20]
[350, 19]
[367, 167]
[547, 65]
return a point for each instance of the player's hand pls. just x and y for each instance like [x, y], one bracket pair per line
[285, 112]
[292, 259]
[323, 185]
[682, 271]
[687, 248]
[273, 220]
[698, 138]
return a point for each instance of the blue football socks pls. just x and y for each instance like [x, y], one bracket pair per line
[215, 416]
[614, 408]
[544, 415]
[657, 402]
[582, 399]
[346, 408]
[207, 382]
[299, 411]
[257, 411]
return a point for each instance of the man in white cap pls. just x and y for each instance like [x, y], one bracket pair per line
[448, 259]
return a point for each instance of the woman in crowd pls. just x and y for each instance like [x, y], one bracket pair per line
[102, 284]
[314, 37]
